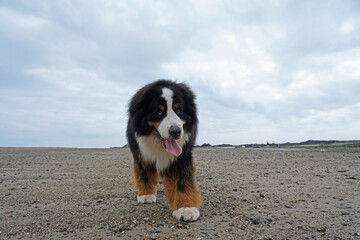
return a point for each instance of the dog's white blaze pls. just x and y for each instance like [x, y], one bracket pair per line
[171, 119]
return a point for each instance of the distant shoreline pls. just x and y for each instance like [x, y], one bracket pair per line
[305, 144]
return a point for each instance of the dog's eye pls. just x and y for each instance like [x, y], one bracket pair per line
[159, 112]
[178, 111]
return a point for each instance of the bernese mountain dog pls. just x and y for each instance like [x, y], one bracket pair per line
[161, 132]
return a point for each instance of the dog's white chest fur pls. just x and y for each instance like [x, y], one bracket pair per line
[153, 151]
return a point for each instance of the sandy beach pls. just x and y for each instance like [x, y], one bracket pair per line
[58, 193]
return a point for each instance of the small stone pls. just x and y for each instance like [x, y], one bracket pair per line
[114, 229]
[256, 220]
[321, 229]
[344, 213]
[262, 195]
[33, 202]
[352, 178]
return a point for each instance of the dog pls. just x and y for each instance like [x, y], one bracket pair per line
[161, 133]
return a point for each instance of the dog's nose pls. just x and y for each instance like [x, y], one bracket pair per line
[174, 132]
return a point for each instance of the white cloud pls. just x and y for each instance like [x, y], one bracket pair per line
[76, 80]
[17, 21]
[347, 27]
[95, 97]
[234, 65]
[317, 74]
[261, 70]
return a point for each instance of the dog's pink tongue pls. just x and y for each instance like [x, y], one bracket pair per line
[173, 147]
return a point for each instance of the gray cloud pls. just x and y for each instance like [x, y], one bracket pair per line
[274, 71]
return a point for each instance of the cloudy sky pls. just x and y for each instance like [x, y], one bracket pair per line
[263, 71]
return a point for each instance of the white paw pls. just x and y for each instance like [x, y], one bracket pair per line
[146, 198]
[187, 213]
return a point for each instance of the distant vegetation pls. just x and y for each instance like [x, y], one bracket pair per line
[308, 143]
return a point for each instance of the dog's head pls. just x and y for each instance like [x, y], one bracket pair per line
[165, 109]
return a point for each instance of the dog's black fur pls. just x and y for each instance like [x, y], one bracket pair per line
[143, 114]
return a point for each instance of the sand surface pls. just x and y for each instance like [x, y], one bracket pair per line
[247, 193]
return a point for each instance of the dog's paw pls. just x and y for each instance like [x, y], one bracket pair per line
[146, 198]
[187, 213]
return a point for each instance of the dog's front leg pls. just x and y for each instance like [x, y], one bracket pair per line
[182, 193]
[145, 181]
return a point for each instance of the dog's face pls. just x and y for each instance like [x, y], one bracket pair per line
[166, 112]
[166, 117]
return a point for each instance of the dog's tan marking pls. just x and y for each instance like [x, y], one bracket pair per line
[153, 124]
[176, 199]
[148, 188]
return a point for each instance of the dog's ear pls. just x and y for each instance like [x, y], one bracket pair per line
[189, 97]
[137, 101]
[134, 106]
[191, 111]
[136, 110]
[144, 96]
